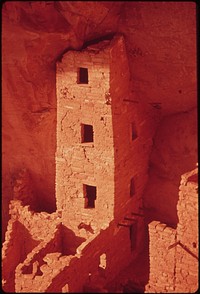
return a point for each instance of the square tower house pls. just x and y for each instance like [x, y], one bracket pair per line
[94, 132]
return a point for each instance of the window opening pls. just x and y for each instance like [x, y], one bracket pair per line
[132, 187]
[90, 196]
[133, 132]
[82, 75]
[87, 133]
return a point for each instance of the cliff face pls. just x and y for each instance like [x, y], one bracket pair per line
[161, 46]
[174, 153]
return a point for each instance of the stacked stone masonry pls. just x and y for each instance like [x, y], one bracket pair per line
[174, 252]
[162, 260]
[187, 264]
[70, 243]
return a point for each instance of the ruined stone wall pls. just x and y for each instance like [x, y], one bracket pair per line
[174, 252]
[32, 242]
[17, 245]
[29, 274]
[88, 263]
[162, 259]
[26, 231]
[59, 270]
[34, 222]
[187, 264]
[80, 163]
[47, 269]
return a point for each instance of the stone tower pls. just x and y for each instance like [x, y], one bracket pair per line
[104, 139]
[96, 136]
[85, 153]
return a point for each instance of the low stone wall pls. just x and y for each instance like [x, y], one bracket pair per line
[162, 259]
[34, 264]
[187, 264]
[17, 245]
[174, 252]
[46, 269]
[34, 222]
[23, 235]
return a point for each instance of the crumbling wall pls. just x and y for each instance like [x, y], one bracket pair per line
[26, 230]
[34, 222]
[187, 261]
[18, 243]
[46, 269]
[87, 262]
[28, 275]
[162, 259]
[34, 240]
[174, 252]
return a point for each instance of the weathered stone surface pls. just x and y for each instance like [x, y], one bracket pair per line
[173, 253]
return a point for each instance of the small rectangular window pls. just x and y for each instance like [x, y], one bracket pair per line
[132, 187]
[133, 132]
[86, 133]
[90, 195]
[82, 75]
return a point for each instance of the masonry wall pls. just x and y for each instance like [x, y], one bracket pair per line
[174, 252]
[114, 158]
[187, 263]
[26, 251]
[89, 261]
[59, 271]
[80, 163]
[34, 222]
[162, 259]
[47, 269]
[26, 231]
[29, 274]
[134, 125]
[17, 245]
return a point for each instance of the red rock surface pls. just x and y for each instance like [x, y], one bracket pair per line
[174, 152]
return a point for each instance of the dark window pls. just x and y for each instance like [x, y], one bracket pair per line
[133, 233]
[90, 196]
[132, 187]
[82, 75]
[87, 133]
[133, 132]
